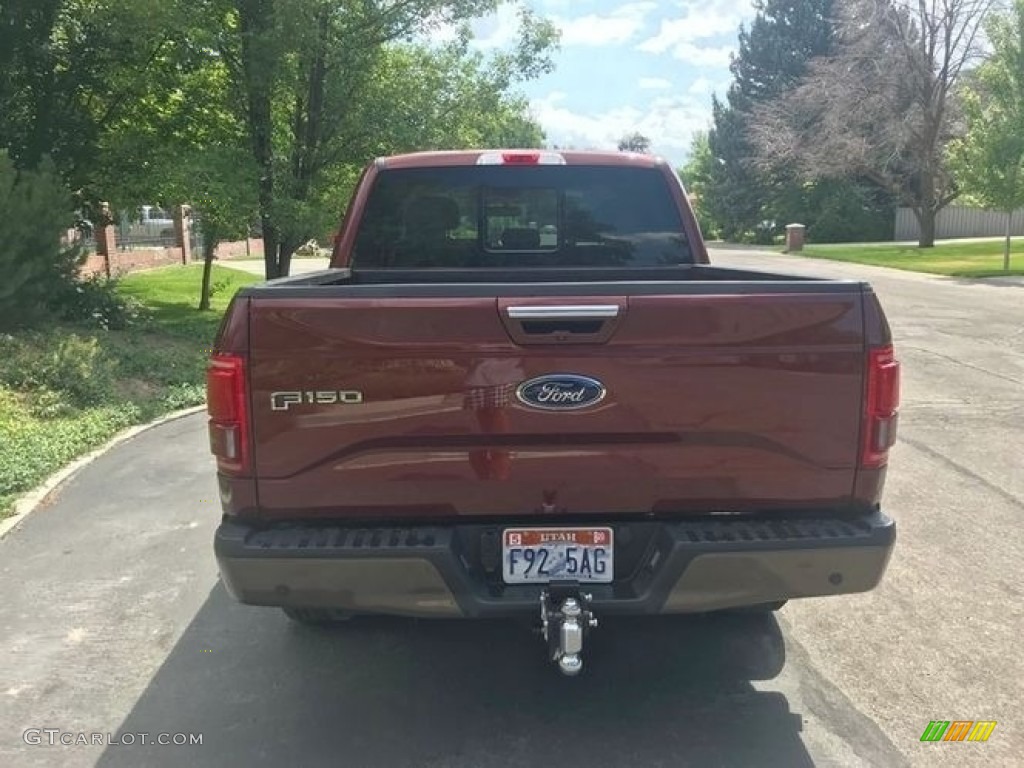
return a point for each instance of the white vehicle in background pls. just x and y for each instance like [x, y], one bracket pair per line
[148, 226]
[154, 216]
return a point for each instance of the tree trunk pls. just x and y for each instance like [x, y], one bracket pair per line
[288, 247]
[306, 137]
[270, 247]
[926, 220]
[1009, 235]
[256, 24]
[308, 140]
[33, 40]
[210, 241]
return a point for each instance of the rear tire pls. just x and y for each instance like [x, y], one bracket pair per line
[318, 617]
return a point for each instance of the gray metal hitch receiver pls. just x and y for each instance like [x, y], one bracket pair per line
[566, 618]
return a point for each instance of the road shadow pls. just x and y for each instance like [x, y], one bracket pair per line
[674, 691]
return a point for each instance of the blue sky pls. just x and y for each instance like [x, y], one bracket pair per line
[624, 66]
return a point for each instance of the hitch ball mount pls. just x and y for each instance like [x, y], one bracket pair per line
[566, 619]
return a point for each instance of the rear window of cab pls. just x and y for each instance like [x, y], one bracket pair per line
[514, 216]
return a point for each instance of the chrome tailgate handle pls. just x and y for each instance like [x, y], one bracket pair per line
[565, 312]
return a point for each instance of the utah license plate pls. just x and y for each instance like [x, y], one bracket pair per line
[540, 555]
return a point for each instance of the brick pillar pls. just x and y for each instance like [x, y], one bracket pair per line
[183, 231]
[106, 237]
[795, 237]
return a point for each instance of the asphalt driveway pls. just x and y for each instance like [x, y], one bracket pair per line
[114, 621]
[256, 266]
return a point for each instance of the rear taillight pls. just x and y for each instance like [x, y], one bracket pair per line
[226, 406]
[881, 406]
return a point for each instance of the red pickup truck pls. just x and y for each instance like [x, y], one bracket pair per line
[521, 389]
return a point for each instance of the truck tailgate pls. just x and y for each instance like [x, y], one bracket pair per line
[715, 400]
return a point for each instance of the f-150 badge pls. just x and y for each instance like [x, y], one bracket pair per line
[282, 401]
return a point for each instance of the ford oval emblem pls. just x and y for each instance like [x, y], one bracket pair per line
[561, 392]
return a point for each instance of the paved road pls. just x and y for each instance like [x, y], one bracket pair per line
[113, 619]
[256, 267]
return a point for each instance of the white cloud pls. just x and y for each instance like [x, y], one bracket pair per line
[653, 83]
[438, 32]
[668, 121]
[688, 30]
[700, 21]
[556, 6]
[704, 86]
[700, 86]
[703, 56]
[611, 27]
[619, 26]
[499, 30]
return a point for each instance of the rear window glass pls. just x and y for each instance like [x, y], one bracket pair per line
[508, 216]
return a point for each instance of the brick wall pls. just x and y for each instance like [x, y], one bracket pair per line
[236, 250]
[109, 259]
[122, 262]
[146, 258]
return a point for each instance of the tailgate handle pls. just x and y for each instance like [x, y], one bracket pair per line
[565, 312]
[563, 319]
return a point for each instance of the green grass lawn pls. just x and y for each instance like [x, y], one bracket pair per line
[956, 259]
[67, 388]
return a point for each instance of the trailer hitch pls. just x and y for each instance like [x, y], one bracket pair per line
[566, 618]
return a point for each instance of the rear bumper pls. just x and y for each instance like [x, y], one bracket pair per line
[451, 571]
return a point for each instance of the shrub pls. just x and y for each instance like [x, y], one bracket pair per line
[36, 211]
[219, 286]
[96, 301]
[184, 396]
[849, 213]
[32, 449]
[73, 366]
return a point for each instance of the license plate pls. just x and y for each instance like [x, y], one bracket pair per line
[540, 555]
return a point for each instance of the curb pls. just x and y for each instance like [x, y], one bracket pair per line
[33, 499]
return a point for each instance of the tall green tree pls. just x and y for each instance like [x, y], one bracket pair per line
[180, 140]
[635, 142]
[989, 159]
[425, 97]
[36, 211]
[696, 174]
[733, 195]
[303, 64]
[773, 54]
[71, 68]
[884, 106]
[189, 100]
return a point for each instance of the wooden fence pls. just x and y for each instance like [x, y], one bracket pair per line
[957, 221]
